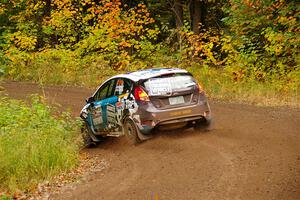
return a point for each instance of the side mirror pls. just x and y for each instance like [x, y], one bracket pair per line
[90, 99]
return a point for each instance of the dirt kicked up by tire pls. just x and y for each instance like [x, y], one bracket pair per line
[251, 153]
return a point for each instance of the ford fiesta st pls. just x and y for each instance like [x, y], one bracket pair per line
[137, 103]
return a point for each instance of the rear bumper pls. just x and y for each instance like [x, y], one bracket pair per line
[149, 116]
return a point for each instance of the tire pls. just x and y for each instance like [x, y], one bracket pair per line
[131, 132]
[203, 125]
[86, 137]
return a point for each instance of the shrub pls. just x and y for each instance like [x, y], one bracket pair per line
[57, 66]
[34, 145]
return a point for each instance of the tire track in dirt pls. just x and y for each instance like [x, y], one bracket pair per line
[253, 153]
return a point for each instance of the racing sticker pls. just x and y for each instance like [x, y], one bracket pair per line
[119, 86]
[159, 86]
[97, 116]
[119, 111]
[111, 110]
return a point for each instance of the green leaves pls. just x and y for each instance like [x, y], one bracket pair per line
[265, 36]
[34, 145]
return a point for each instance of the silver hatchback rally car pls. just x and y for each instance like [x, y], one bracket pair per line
[137, 103]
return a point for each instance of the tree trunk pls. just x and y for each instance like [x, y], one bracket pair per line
[177, 9]
[178, 12]
[198, 13]
[47, 11]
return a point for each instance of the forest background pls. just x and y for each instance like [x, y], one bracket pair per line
[239, 50]
[243, 50]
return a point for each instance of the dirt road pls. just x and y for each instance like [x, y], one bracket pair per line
[252, 153]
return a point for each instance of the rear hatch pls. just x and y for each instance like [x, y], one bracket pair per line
[172, 90]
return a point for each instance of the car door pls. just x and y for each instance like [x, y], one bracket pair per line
[103, 107]
[122, 91]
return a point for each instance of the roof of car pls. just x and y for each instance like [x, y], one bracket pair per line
[149, 73]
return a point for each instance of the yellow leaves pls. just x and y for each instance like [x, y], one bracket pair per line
[105, 27]
[278, 50]
[283, 19]
[227, 45]
[202, 46]
[23, 41]
[2, 10]
[38, 6]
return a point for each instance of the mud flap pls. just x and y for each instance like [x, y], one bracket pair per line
[143, 137]
[140, 135]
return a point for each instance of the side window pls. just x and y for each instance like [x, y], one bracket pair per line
[127, 86]
[105, 91]
[123, 86]
[111, 89]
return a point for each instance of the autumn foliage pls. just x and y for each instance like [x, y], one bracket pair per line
[264, 38]
[117, 33]
[249, 40]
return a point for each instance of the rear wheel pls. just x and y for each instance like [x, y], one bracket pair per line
[131, 132]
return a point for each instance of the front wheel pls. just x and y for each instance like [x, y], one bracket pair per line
[89, 139]
[86, 137]
[131, 132]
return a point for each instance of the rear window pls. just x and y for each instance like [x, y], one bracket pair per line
[165, 85]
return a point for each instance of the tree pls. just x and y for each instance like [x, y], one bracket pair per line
[198, 10]
[264, 35]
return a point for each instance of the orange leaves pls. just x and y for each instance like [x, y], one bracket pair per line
[252, 4]
[124, 44]
[108, 4]
[202, 46]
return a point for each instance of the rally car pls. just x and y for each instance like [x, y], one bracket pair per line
[138, 103]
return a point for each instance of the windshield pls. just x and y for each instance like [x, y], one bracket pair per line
[167, 84]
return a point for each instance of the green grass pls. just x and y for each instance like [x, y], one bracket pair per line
[34, 145]
[219, 85]
[5, 198]
[63, 67]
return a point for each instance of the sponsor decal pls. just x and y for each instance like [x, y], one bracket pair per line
[119, 86]
[97, 116]
[111, 116]
[159, 86]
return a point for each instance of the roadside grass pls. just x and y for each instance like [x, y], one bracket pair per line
[5, 198]
[61, 67]
[34, 145]
[220, 86]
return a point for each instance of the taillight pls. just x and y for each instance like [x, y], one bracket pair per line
[140, 94]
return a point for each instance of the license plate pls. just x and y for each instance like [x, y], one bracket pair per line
[176, 100]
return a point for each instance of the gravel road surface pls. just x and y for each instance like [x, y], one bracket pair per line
[252, 153]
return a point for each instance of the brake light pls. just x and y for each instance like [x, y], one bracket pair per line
[140, 94]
